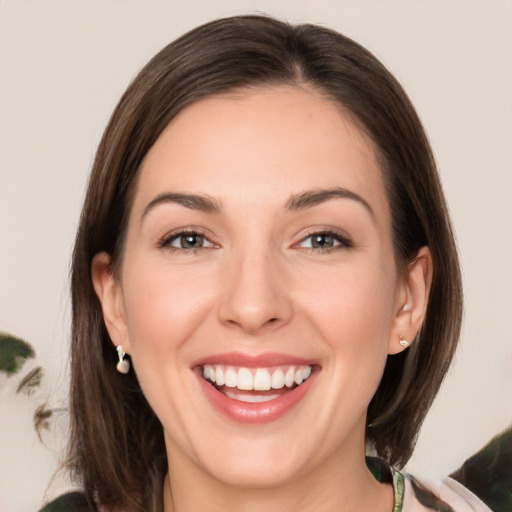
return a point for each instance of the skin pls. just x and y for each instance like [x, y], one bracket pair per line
[256, 286]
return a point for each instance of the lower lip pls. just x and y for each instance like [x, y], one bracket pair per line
[255, 413]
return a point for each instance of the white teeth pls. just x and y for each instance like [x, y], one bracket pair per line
[247, 397]
[278, 379]
[230, 378]
[245, 381]
[260, 379]
[289, 378]
[306, 372]
[219, 376]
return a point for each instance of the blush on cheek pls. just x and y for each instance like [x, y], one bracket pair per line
[166, 308]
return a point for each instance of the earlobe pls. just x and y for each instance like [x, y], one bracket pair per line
[412, 302]
[110, 294]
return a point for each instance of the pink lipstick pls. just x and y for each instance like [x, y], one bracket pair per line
[255, 389]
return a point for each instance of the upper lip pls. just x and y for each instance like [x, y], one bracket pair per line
[265, 360]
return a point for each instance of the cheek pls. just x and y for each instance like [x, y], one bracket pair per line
[354, 316]
[352, 305]
[164, 307]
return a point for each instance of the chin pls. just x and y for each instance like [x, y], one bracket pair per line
[255, 473]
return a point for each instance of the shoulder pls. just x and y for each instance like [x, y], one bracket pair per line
[449, 496]
[71, 502]
[482, 484]
[411, 495]
[488, 474]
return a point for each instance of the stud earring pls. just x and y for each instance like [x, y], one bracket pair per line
[403, 342]
[123, 365]
[407, 307]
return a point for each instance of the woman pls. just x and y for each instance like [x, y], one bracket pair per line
[265, 241]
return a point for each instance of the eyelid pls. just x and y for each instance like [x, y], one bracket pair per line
[164, 242]
[344, 239]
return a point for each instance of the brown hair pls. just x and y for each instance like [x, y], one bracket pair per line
[116, 445]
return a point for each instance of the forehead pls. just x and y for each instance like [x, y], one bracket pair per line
[262, 144]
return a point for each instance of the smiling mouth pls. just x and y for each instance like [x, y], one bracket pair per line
[254, 385]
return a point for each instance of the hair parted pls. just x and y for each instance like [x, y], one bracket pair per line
[116, 447]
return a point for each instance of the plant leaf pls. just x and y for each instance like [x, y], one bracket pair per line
[42, 417]
[31, 380]
[13, 352]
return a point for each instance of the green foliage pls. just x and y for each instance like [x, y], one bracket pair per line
[13, 352]
[488, 474]
[71, 502]
[31, 380]
[42, 417]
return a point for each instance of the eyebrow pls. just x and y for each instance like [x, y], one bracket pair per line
[192, 201]
[296, 202]
[311, 198]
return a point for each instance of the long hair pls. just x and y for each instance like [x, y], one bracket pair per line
[116, 446]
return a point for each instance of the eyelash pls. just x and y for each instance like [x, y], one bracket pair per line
[167, 240]
[340, 241]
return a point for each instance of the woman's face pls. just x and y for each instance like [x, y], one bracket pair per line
[259, 251]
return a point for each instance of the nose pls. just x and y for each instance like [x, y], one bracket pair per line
[255, 295]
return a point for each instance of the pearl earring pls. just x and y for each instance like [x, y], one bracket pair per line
[123, 366]
[403, 342]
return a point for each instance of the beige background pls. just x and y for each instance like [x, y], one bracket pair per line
[63, 65]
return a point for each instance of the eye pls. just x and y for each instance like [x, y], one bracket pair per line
[325, 241]
[186, 240]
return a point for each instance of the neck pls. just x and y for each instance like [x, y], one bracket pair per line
[334, 486]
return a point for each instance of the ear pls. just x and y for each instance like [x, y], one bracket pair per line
[110, 294]
[412, 301]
